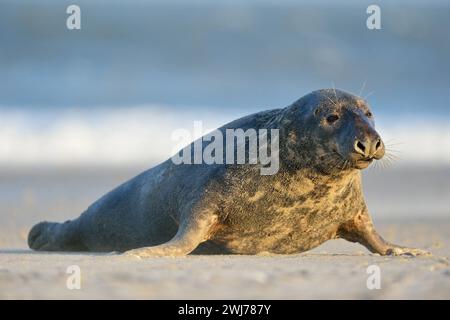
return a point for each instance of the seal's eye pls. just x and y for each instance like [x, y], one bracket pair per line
[332, 118]
[369, 114]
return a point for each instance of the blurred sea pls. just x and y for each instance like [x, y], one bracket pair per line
[112, 92]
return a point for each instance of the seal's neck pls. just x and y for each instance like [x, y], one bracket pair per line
[318, 176]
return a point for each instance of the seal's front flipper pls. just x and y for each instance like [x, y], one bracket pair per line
[361, 230]
[188, 237]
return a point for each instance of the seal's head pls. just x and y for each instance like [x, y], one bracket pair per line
[336, 130]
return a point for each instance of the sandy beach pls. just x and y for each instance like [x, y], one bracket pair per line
[335, 270]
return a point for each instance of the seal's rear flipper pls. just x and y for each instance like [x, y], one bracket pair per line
[52, 236]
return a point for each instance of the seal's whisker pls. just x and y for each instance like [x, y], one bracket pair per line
[392, 156]
[368, 95]
[334, 103]
[334, 89]
[343, 165]
[375, 166]
[330, 154]
[362, 88]
[392, 142]
[388, 157]
[333, 162]
[392, 150]
[326, 156]
[380, 165]
[347, 164]
[387, 162]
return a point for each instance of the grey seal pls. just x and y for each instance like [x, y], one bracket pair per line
[326, 138]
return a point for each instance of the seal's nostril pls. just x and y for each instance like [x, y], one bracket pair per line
[360, 146]
[378, 145]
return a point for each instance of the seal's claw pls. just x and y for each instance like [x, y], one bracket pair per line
[402, 251]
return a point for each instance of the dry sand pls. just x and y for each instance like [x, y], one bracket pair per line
[335, 270]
